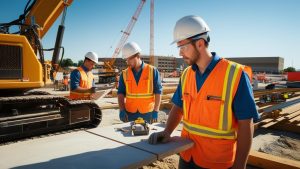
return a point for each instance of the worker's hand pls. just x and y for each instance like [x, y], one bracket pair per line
[92, 96]
[93, 90]
[159, 137]
[154, 116]
[123, 116]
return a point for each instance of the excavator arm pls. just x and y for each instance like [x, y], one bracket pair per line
[45, 13]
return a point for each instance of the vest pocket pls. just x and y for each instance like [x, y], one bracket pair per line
[211, 113]
[220, 150]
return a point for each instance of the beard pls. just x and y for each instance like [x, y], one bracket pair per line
[195, 56]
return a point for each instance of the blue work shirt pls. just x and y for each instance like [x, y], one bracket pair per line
[75, 78]
[157, 88]
[243, 106]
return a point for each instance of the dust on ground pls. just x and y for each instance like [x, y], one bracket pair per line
[279, 143]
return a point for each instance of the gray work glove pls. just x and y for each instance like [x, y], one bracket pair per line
[159, 137]
[123, 116]
[93, 90]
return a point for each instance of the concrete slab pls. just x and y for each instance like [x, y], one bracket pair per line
[113, 132]
[72, 150]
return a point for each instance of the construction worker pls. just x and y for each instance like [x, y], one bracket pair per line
[215, 101]
[66, 83]
[139, 92]
[82, 79]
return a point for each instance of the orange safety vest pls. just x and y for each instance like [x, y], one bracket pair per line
[66, 81]
[139, 97]
[208, 118]
[248, 70]
[86, 81]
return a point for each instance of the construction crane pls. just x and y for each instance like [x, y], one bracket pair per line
[109, 72]
[152, 58]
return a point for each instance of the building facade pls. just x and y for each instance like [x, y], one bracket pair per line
[262, 64]
[163, 63]
[171, 63]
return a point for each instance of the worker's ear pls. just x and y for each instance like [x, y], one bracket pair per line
[200, 43]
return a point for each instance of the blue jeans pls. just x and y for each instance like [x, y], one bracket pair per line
[134, 116]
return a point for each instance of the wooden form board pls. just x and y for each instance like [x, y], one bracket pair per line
[177, 144]
[74, 150]
[263, 160]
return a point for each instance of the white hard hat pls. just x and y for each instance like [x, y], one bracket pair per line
[130, 49]
[92, 56]
[188, 27]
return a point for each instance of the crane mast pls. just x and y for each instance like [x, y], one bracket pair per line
[126, 34]
[152, 59]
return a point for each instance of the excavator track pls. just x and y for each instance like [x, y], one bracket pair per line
[32, 115]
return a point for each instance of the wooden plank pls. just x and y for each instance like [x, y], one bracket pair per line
[273, 122]
[262, 122]
[294, 128]
[263, 160]
[169, 89]
[100, 94]
[292, 115]
[291, 109]
[295, 119]
[167, 96]
[108, 106]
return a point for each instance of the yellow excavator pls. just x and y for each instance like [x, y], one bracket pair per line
[25, 112]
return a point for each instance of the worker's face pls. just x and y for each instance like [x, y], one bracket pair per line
[132, 61]
[89, 64]
[188, 51]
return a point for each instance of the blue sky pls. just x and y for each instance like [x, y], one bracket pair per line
[239, 28]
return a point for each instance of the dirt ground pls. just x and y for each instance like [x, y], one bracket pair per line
[278, 143]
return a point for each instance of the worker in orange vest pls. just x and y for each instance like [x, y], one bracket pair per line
[66, 83]
[139, 90]
[214, 100]
[82, 79]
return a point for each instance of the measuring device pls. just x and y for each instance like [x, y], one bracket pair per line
[140, 127]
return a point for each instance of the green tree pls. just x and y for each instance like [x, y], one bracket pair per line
[80, 62]
[66, 62]
[289, 69]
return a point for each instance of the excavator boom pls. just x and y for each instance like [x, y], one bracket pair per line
[45, 13]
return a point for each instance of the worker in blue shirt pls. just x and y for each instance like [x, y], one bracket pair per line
[139, 91]
[82, 79]
[214, 100]
[244, 106]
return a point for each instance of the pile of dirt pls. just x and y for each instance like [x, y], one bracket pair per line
[283, 146]
[170, 162]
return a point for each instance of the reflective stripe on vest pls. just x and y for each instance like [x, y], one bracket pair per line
[86, 81]
[225, 120]
[139, 96]
[148, 94]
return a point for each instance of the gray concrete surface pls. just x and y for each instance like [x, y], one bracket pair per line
[75, 150]
[101, 147]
